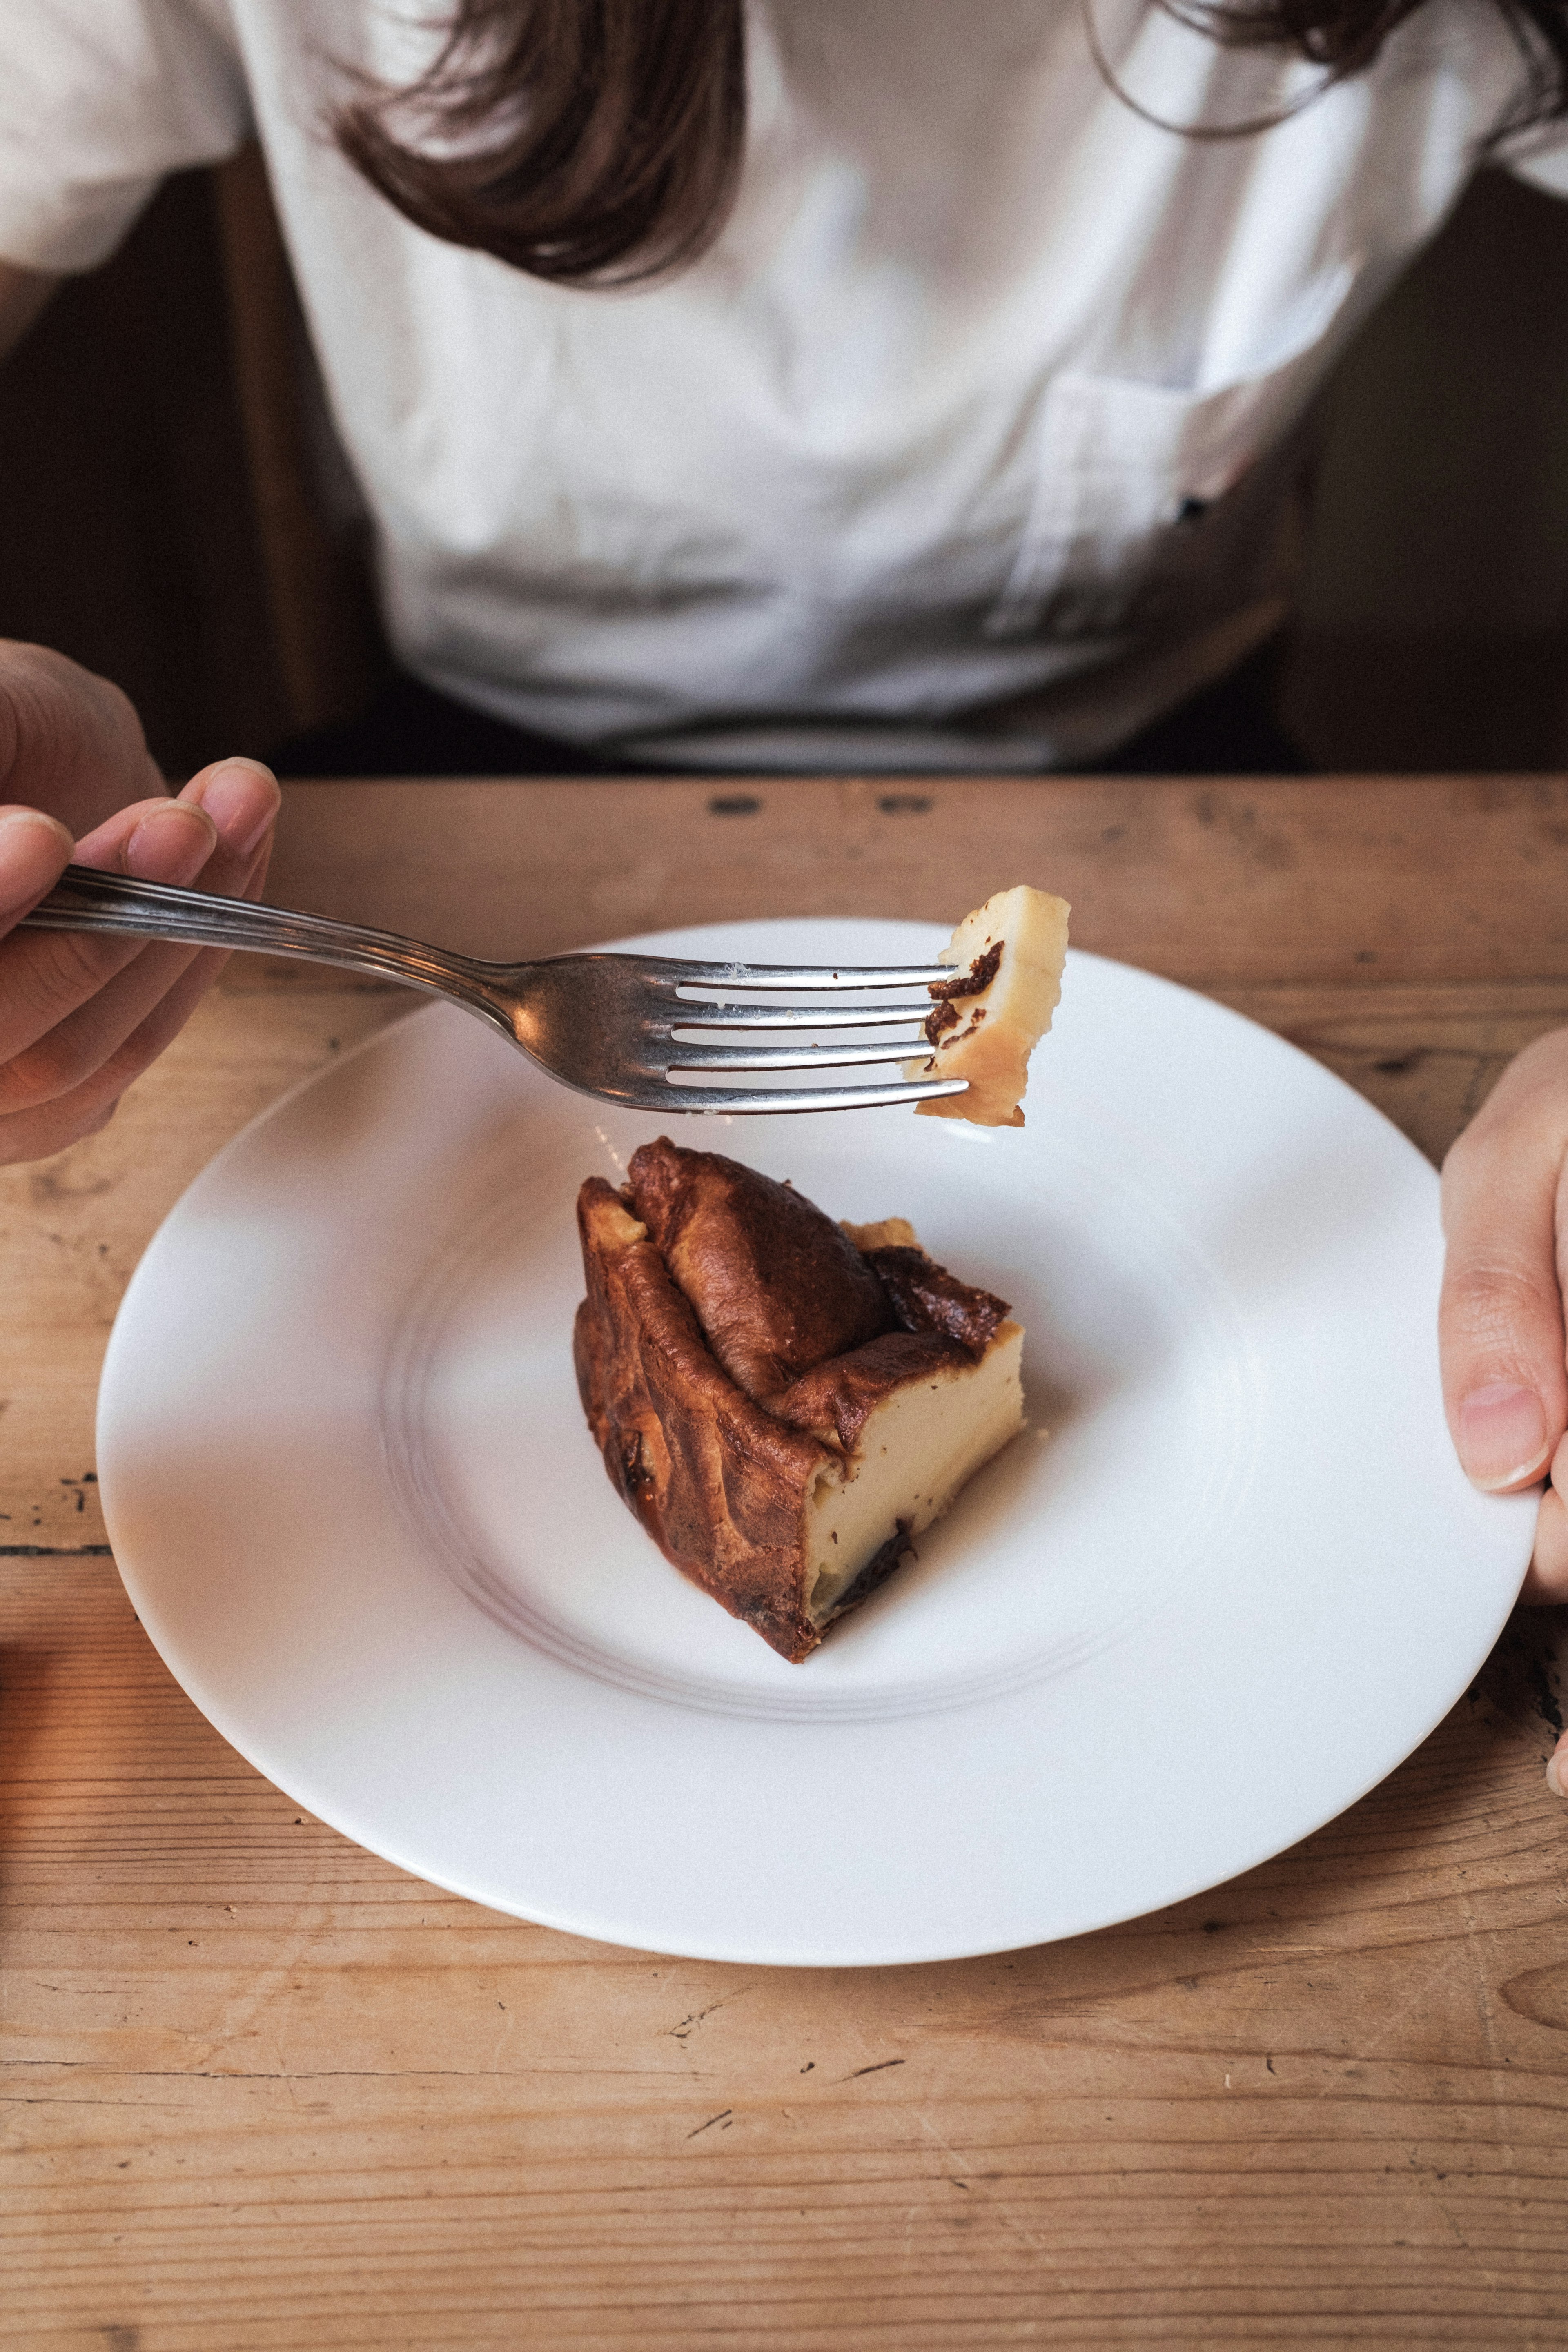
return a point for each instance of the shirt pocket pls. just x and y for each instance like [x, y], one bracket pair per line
[1141, 500]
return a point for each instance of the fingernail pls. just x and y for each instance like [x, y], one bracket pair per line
[30, 846]
[1501, 1434]
[1555, 1774]
[172, 844]
[242, 799]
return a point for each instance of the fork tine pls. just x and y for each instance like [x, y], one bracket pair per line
[702, 1018]
[785, 1057]
[824, 978]
[769, 1099]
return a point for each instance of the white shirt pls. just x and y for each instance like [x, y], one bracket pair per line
[967, 446]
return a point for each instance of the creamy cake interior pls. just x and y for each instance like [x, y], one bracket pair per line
[916, 1449]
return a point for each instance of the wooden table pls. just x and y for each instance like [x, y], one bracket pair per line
[264, 2092]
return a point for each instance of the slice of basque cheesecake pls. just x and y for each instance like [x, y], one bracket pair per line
[1008, 957]
[783, 1403]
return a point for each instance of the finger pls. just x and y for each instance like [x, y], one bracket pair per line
[231, 807]
[80, 1111]
[240, 798]
[165, 1021]
[47, 976]
[159, 1026]
[1557, 1768]
[1505, 1388]
[34, 851]
[54, 1127]
[159, 840]
[68, 737]
[235, 802]
[1547, 1581]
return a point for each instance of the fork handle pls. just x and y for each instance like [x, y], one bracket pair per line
[87, 900]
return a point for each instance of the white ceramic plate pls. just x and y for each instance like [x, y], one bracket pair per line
[353, 1497]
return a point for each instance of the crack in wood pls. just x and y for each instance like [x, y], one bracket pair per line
[55, 1551]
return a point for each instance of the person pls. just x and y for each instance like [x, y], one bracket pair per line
[786, 386]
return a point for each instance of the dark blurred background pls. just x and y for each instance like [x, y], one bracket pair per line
[170, 515]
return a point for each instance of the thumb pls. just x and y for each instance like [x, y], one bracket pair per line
[1500, 1324]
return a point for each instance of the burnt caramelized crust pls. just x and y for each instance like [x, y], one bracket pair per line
[717, 1483]
[944, 1014]
[732, 1347]
[775, 1285]
[926, 1297]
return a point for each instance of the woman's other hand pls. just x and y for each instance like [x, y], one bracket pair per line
[81, 1016]
[1501, 1324]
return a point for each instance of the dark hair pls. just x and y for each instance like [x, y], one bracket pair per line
[1344, 36]
[592, 141]
[598, 142]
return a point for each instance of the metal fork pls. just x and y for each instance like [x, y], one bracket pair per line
[611, 1025]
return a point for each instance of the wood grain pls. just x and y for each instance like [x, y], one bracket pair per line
[263, 2092]
[1450, 878]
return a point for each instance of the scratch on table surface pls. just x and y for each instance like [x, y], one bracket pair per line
[963, 2176]
[1433, 2176]
[690, 2024]
[725, 2117]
